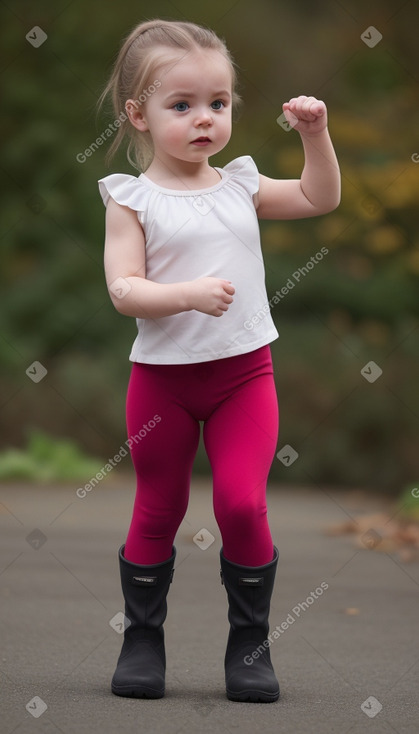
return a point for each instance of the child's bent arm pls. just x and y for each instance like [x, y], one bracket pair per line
[125, 269]
[133, 294]
[318, 190]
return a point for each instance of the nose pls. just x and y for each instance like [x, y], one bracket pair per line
[203, 117]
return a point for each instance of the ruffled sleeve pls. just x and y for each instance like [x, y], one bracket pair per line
[124, 189]
[245, 172]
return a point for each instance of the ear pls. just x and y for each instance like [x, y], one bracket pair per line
[136, 115]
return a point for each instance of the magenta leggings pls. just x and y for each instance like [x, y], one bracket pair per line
[235, 397]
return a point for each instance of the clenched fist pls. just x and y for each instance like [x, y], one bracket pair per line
[210, 295]
[308, 115]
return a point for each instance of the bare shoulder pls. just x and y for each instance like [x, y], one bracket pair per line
[118, 215]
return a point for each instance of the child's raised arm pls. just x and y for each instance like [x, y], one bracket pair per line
[130, 291]
[318, 189]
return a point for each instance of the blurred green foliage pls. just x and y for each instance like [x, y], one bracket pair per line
[408, 502]
[358, 304]
[46, 458]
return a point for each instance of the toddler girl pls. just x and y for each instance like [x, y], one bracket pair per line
[183, 256]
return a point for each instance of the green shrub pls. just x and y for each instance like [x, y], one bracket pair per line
[47, 459]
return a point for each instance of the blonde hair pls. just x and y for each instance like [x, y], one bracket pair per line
[137, 62]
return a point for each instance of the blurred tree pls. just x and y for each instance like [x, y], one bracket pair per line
[359, 303]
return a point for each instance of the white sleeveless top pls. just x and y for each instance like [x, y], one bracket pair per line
[194, 234]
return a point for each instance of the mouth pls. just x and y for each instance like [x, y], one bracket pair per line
[203, 140]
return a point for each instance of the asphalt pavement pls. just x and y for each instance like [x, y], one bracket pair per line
[347, 656]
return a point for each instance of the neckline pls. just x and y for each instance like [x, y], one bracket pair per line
[185, 192]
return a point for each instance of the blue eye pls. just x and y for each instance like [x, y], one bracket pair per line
[217, 105]
[181, 106]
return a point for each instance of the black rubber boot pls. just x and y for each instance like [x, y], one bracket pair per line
[141, 667]
[249, 673]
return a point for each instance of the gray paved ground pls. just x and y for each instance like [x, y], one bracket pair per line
[60, 590]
